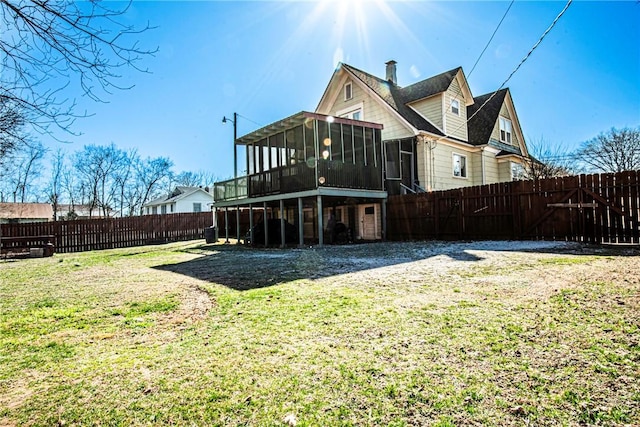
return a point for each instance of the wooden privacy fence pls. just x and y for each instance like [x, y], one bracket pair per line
[109, 233]
[586, 208]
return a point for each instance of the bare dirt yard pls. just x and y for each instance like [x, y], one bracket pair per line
[413, 333]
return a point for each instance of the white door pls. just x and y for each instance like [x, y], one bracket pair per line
[368, 223]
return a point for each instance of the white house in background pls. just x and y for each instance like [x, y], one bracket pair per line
[181, 200]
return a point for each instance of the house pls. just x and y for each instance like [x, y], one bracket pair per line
[370, 138]
[437, 135]
[73, 212]
[25, 212]
[181, 200]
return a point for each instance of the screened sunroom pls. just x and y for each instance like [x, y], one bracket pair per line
[307, 166]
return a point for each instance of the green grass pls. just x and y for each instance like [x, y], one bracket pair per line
[120, 338]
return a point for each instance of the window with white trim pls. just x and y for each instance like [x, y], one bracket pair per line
[197, 207]
[163, 209]
[354, 114]
[459, 165]
[348, 91]
[455, 107]
[505, 130]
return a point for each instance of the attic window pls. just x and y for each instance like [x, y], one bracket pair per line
[455, 107]
[505, 130]
[348, 91]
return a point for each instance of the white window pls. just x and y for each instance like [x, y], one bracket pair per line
[517, 171]
[348, 91]
[459, 165]
[155, 210]
[455, 107]
[163, 209]
[172, 206]
[505, 130]
[197, 207]
[355, 112]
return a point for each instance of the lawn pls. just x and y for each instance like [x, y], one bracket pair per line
[390, 334]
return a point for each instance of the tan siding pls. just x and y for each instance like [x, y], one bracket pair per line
[372, 112]
[431, 108]
[443, 168]
[504, 171]
[491, 172]
[504, 112]
[477, 167]
[455, 125]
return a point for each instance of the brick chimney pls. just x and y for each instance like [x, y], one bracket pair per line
[391, 72]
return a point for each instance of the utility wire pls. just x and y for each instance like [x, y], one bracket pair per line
[459, 91]
[252, 121]
[490, 39]
[515, 69]
[525, 58]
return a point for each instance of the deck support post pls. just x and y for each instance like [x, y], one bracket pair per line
[251, 223]
[300, 223]
[265, 222]
[320, 222]
[384, 219]
[226, 224]
[283, 240]
[238, 224]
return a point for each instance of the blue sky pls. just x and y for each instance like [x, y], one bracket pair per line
[268, 60]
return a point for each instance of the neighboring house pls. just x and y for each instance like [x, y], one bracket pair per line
[437, 135]
[25, 212]
[71, 212]
[181, 200]
[370, 138]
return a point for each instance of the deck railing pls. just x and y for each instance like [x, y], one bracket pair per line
[301, 177]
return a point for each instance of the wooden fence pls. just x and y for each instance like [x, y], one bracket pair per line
[109, 233]
[586, 208]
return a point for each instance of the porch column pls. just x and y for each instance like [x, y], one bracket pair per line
[238, 224]
[320, 222]
[265, 223]
[226, 224]
[251, 223]
[282, 230]
[300, 223]
[384, 219]
[216, 229]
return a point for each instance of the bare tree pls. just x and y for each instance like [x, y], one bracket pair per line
[151, 173]
[200, 178]
[548, 160]
[49, 46]
[21, 170]
[11, 125]
[612, 151]
[54, 186]
[98, 170]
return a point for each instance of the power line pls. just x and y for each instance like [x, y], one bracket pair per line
[459, 91]
[515, 69]
[491, 38]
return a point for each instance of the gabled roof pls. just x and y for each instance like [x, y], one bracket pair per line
[396, 97]
[26, 211]
[430, 86]
[179, 193]
[481, 125]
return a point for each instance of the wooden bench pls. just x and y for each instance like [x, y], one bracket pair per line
[32, 246]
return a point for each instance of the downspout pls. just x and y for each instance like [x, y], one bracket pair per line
[426, 165]
[484, 177]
